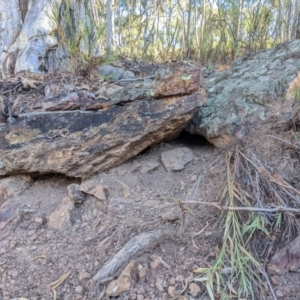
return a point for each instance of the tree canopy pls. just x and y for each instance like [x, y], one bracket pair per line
[204, 30]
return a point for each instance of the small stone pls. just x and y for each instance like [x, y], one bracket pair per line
[93, 187]
[75, 194]
[116, 208]
[126, 192]
[172, 281]
[171, 291]
[159, 285]
[125, 282]
[179, 278]
[275, 280]
[38, 220]
[182, 185]
[60, 218]
[135, 167]
[13, 273]
[155, 263]
[13, 185]
[99, 192]
[83, 274]
[149, 166]
[31, 232]
[142, 272]
[194, 289]
[78, 289]
[176, 159]
[194, 178]
[279, 293]
[33, 237]
[140, 297]
[170, 217]
[141, 290]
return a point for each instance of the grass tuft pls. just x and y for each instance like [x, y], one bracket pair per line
[253, 228]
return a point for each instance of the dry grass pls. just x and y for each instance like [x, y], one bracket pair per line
[258, 218]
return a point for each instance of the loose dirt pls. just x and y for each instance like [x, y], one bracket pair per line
[33, 255]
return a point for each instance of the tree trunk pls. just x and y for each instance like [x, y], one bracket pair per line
[110, 26]
[24, 46]
[40, 35]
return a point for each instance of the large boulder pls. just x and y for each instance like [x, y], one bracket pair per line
[251, 92]
[81, 143]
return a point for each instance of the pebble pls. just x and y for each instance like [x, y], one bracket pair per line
[279, 293]
[179, 278]
[142, 272]
[194, 289]
[275, 280]
[150, 166]
[38, 220]
[194, 178]
[135, 167]
[13, 273]
[172, 281]
[170, 217]
[171, 291]
[141, 290]
[83, 274]
[155, 263]
[78, 289]
[159, 285]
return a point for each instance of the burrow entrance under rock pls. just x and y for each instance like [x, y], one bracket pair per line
[183, 139]
[190, 139]
[55, 233]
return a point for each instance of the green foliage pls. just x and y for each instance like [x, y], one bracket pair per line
[211, 32]
[249, 228]
[78, 33]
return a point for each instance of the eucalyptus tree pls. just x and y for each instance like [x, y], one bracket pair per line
[39, 35]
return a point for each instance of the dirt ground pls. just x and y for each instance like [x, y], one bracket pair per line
[33, 255]
[35, 252]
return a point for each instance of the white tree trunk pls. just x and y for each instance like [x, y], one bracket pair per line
[25, 45]
[28, 34]
[10, 26]
[110, 25]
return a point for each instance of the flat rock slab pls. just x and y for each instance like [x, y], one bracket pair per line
[286, 259]
[13, 185]
[255, 89]
[176, 159]
[82, 143]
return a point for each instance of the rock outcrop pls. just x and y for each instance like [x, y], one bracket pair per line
[56, 137]
[286, 259]
[251, 92]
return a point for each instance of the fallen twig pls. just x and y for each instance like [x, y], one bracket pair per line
[54, 285]
[278, 138]
[269, 283]
[214, 204]
[136, 245]
[134, 79]
[262, 209]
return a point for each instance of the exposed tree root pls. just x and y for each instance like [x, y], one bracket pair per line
[138, 244]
